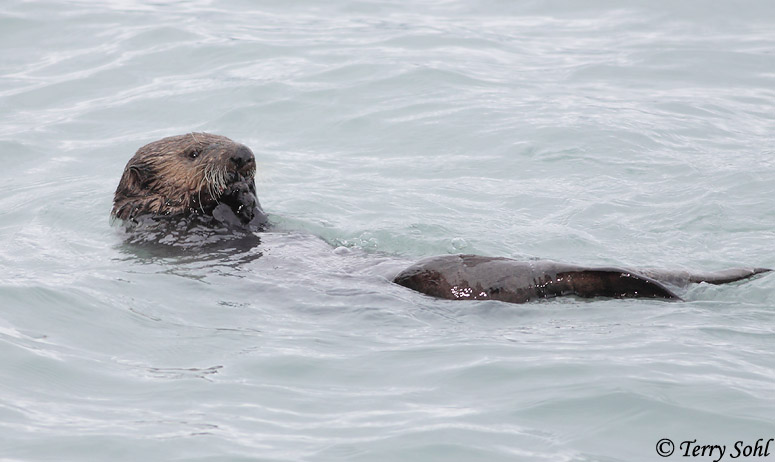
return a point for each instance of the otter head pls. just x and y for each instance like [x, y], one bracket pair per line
[197, 173]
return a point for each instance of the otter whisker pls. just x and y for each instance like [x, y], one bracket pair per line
[208, 178]
[199, 188]
[221, 180]
[217, 181]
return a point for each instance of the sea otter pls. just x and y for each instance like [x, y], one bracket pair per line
[210, 178]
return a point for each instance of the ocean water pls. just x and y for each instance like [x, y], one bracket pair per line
[602, 133]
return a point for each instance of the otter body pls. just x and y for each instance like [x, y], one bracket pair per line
[473, 277]
[210, 179]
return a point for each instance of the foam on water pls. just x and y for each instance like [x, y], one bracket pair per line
[599, 133]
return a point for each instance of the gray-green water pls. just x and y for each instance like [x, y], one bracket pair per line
[624, 133]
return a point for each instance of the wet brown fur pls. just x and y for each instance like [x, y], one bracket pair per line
[179, 175]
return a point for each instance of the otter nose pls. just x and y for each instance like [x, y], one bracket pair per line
[242, 156]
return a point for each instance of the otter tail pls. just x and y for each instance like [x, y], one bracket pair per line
[684, 278]
[728, 275]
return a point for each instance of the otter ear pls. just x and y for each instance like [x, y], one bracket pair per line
[135, 177]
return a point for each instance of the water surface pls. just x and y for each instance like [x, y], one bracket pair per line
[599, 133]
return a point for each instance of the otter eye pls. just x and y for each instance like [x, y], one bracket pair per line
[194, 153]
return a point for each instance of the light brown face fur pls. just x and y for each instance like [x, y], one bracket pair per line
[181, 175]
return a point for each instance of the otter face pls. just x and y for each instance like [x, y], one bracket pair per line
[188, 174]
